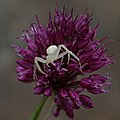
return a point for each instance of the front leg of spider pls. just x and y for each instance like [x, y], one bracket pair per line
[67, 52]
[38, 59]
[62, 55]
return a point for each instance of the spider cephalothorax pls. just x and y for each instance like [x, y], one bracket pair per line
[53, 53]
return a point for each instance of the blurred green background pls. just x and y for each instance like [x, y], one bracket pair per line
[17, 101]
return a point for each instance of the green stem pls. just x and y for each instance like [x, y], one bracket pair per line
[39, 108]
[50, 104]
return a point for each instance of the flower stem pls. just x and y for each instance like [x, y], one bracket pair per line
[39, 108]
[50, 104]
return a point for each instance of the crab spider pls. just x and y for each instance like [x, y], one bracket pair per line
[52, 55]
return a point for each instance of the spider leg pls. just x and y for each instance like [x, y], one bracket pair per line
[47, 64]
[68, 58]
[69, 52]
[37, 65]
[62, 55]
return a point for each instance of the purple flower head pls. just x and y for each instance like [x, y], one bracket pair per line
[55, 55]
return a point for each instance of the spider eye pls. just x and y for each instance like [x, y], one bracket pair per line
[51, 49]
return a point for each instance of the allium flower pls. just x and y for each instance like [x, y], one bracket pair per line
[56, 73]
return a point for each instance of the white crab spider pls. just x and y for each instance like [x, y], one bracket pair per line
[52, 55]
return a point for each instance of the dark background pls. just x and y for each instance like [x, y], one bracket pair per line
[17, 101]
